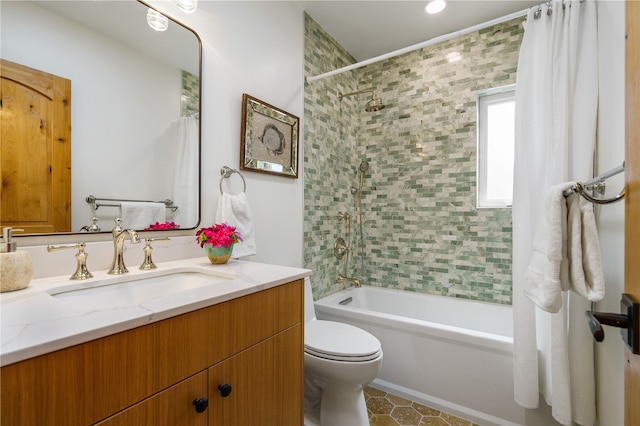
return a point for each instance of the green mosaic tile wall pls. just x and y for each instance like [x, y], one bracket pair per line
[422, 231]
[190, 100]
[330, 146]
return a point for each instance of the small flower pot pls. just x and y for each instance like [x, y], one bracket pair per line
[218, 255]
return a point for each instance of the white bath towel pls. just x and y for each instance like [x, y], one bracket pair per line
[583, 250]
[566, 252]
[548, 272]
[139, 215]
[233, 209]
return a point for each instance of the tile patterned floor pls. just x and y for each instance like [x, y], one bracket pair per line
[386, 409]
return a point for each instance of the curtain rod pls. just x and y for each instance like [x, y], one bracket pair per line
[605, 175]
[417, 46]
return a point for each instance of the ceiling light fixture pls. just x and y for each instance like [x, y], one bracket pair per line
[436, 6]
[187, 6]
[157, 20]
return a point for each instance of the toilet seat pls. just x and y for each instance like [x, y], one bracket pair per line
[340, 342]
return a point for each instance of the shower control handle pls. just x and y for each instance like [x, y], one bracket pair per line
[340, 248]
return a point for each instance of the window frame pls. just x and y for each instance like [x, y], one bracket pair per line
[484, 99]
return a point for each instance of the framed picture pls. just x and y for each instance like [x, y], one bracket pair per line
[268, 139]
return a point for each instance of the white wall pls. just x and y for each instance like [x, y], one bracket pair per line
[254, 48]
[248, 47]
[610, 154]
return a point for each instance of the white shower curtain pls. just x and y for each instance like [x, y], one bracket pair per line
[556, 109]
[185, 187]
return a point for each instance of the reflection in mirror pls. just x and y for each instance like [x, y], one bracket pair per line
[134, 117]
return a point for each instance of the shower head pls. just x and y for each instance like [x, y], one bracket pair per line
[373, 105]
[364, 168]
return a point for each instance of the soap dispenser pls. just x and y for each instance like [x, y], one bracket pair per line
[16, 268]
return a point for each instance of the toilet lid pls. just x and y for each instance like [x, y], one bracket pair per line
[339, 341]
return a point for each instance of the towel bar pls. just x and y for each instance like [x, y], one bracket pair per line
[597, 184]
[93, 200]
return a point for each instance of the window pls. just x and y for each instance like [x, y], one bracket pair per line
[496, 128]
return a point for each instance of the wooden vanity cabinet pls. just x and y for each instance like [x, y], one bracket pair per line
[263, 382]
[151, 375]
[173, 406]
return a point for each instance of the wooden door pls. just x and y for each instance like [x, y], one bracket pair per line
[632, 201]
[36, 149]
[266, 384]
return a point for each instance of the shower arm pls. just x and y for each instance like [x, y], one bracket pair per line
[359, 92]
[373, 105]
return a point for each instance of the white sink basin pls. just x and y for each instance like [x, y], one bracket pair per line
[127, 291]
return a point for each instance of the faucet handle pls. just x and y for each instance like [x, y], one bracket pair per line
[148, 262]
[94, 225]
[82, 273]
[118, 228]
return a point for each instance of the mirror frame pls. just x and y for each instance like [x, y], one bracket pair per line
[199, 196]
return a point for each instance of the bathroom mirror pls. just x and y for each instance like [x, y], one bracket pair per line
[135, 104]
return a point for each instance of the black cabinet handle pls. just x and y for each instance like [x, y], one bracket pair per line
[225, 390]
[201, 404]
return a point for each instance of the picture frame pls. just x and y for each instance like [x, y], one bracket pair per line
[269, 139]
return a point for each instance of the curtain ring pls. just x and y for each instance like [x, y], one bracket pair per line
[537, 13]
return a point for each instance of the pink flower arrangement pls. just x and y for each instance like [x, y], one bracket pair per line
[218, 235]
[161, 226]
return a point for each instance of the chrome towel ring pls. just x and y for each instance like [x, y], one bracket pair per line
[226, 172]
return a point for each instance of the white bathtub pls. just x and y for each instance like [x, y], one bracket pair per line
[450, 354]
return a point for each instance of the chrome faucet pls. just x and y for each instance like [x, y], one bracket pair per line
[117, 266]
[354, 281]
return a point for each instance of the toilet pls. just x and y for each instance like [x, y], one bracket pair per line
[339, 361]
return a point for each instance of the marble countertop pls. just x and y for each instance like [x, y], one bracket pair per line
[46, 316]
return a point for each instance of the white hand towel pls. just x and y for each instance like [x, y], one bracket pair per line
[583, 250]
[548, 272]
[233, 209]
[139, 215]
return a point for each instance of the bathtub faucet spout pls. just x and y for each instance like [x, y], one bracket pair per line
[354, 281]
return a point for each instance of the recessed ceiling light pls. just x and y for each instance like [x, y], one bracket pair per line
[436, 6]
[157, 20]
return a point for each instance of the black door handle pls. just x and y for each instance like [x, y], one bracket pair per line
[627, 320]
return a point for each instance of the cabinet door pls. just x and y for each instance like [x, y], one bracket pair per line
[173, 406]
[266, 382]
